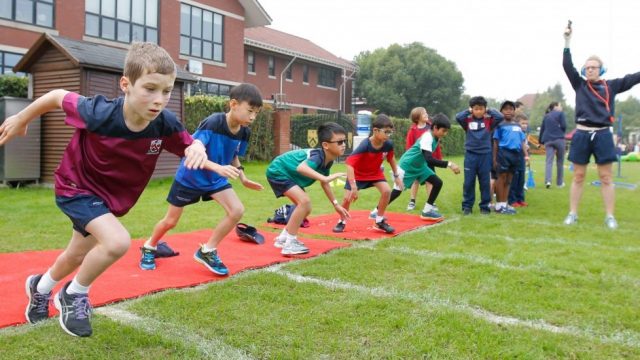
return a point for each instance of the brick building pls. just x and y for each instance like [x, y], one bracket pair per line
[219, 42]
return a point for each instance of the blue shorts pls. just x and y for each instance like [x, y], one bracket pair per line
[82, 209]
[599, 143]
[363, 184]
[280, 187]
[181, 195]
[508, 160]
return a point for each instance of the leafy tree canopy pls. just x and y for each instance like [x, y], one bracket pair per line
[397, 79]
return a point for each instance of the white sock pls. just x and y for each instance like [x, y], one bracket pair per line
[207, 249]
[427, 207]
[283, 234]
[379, 218]
[342, 221]
[500, 205]
[46, 283]
[147, 244]
[76, 288]
[291, 238]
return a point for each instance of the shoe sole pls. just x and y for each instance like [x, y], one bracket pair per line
[278, 245]
[58, 305]
[384, 231]
[200, 261]
[294, 253]
[147, 268]
[431, 218]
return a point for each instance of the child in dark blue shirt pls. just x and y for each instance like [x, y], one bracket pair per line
[478, 122]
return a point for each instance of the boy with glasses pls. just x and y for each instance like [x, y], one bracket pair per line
[289, 173]
[364, 171]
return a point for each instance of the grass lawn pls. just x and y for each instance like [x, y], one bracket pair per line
[474, 287]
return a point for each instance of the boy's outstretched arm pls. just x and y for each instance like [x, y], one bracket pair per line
[336, 205]
[396, 179]
[16, 125]
[249, 184]
[307, 171]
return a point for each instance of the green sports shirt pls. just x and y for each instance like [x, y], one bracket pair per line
[284, 166]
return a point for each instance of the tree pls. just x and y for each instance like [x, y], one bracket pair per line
[399, 78]
[629, 110]
[541, 104]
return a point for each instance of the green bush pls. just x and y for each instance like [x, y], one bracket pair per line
[199, 107]
[16, 86]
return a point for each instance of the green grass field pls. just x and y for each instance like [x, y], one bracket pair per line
[474, 287]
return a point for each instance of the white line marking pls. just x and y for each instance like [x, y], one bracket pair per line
[558, 241]
[539, 266]
[626, 338]
[210, 347]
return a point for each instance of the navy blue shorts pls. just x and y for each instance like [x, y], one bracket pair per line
[508, 160]
[181, 195]
[599, 143]
[81, 210]
[363, 184]
[280, 187]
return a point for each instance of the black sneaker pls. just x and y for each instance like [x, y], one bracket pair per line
[339, 227]
[466, 211]
[75, 312]
[382, 225]
[485, 211]
[38, 308]
[148, 259]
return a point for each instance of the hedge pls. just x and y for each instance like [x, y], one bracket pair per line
[199, 107]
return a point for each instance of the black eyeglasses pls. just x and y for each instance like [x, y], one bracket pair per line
[339, 142]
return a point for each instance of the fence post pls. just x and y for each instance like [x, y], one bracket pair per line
[281, 131]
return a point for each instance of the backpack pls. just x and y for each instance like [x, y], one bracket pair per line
[282, 214]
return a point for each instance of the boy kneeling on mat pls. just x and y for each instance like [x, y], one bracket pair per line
[364, 171]
[225, 136]
[289, 173]
[415, 165]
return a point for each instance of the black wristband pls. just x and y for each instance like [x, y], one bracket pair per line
[240, 168]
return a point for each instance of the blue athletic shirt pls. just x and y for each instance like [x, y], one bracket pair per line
[509, 135]
[221, 145]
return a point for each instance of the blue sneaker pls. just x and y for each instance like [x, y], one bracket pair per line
[431, 215]
[148, 259]
[38, 308]
[211, 261]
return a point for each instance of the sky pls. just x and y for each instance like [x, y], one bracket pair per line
[504, 48]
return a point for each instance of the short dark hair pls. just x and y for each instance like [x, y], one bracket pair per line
[382, 121]
[507, 103]
[246, 92]
[551, 107]
[326, 131]
[477, 100]
[440, 121]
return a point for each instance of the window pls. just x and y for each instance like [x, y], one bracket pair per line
[326, 77]
[36, 12]
[251, 62]
[122, 20]
[272, 66]
[201, 33]
[289, 72]
[7, 61]
[208, 88]
[305, 73]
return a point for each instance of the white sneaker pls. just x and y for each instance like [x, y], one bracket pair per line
[411, 206]
[547, 185]
[294, 247]
[572, 219]
[611, 222]
[561, 185]
[279, 243]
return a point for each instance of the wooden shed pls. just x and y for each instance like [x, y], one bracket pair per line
[89, 69]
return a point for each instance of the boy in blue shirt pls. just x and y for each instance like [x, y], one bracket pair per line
[508, 148]
[289, 173]
[225, 136]
[516, 190]
[478, 123]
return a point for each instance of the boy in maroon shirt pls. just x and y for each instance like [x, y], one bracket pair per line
[104, 169]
